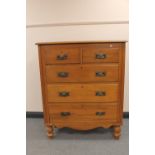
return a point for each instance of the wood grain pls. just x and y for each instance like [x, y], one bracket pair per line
[90, 52]
[117, 132]
[109, 71]
[83, 113]
[82, 73]
[43, 84]
[84, 109]
[116, 42]
[53, 52]
[83, 92]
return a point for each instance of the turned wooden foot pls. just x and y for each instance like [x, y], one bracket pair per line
[117, 132]
[50, 132]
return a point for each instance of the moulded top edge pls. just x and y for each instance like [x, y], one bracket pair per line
[81, 42]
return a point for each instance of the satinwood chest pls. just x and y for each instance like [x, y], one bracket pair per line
[82, 84]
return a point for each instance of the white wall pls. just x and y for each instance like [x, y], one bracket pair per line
[84, 20]
[54, 11]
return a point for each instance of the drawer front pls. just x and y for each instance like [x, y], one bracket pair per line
[82, 73]
[83, 92]
[99, 72]
[82, 112]
[63, 73]
[100, 54]
[61, 54]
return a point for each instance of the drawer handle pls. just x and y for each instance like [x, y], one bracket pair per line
[62, 57]
[63, 94]
[100, 113]
[100, 74]
[63, 74]
[100, 93]
[65, 113]
[100, 56]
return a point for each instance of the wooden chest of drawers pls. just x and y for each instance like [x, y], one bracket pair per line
[82, 85]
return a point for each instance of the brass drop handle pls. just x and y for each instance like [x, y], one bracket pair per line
[62, 57]
[65, 113]
[64, 94]
[100, 74]
[100, 93]
[63, 74]
[101, 56]
[100, 113]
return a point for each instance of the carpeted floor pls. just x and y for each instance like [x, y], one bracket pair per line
[70, 142]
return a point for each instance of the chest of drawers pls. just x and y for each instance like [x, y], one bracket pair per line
[82, 85]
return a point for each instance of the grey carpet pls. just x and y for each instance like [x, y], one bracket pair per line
[70, 142]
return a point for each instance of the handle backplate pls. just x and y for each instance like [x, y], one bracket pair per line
[100, 93]
[101, 56]
[65, 113]
[64, 94]
[99, 113]
[100, 74]
[63, 74]
[62, 57]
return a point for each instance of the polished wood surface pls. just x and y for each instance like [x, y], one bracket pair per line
[82, 42]
[53, 73]
[81, 113]
[83, 92]
[99, 73]
[61, 54]
[82, 85]
[82, 73]
[117, 132]
[90, 54]
[50, 132]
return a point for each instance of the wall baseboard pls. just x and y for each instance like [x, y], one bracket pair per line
[40, 114]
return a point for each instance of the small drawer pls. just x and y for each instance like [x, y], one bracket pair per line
[61, 54]
[82, 113]
[82, 73]
[98, 54]
[83, 92]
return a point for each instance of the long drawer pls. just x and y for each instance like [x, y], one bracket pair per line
[98, 92]
[82, 112]
[82, 73]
